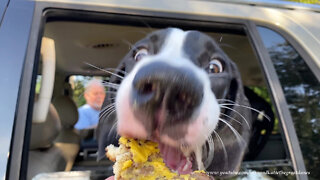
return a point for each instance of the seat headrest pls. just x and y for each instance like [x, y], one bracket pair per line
[67, 111]
[68, 91]
[44, 133]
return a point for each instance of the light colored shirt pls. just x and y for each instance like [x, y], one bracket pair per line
[88, 117]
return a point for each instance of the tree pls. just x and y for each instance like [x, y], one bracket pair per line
[302, 92]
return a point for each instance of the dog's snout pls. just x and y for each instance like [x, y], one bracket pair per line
[160, 85]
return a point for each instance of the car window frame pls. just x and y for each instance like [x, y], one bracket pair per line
[312, 81]
[41, 14]
[276, 88]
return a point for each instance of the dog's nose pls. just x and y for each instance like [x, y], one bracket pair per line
[160, 85]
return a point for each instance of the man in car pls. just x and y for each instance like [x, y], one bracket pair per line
[94, 95]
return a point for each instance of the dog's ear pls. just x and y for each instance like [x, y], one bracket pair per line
[230, 140]
[106, 131]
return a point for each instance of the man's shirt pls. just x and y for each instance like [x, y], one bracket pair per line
[88, 117]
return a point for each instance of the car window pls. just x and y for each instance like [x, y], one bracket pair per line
[302, 93]
[86, 48]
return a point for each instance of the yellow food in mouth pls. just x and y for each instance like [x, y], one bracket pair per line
[141, 160]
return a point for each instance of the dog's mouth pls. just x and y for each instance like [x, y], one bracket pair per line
[175, 158]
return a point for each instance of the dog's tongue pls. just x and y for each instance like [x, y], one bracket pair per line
[175, 159]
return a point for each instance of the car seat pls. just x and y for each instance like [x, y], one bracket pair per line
[44, 156]
[68, 140]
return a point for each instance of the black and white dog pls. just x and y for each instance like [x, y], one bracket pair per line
[182, 91]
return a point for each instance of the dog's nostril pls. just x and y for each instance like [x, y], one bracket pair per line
[182, 102]
[147, 88]
[183, 98]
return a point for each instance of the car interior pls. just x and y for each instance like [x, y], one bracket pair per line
[87, 44]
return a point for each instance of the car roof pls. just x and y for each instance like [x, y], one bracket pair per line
[262, 3]
[274, 3]
[296, 20]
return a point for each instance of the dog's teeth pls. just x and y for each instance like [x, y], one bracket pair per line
[185, 167]
[174, 171]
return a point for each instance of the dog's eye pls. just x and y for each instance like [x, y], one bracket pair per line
[140, 54]
[215, 66]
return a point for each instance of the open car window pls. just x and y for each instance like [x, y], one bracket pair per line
[88, 47]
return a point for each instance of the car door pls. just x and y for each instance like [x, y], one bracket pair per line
[3, 7]
[14, 37]
[235, 30]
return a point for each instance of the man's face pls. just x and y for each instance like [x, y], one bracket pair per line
[95, 96]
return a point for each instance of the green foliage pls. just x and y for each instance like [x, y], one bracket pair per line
[79, 83]
[78, 89]
[306, 1]
[38, 84]
[263, 92]
[302, 92]
[78, 93]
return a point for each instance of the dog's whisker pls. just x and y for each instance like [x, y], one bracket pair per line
[248, 107]
[131, 46]
[111, 85]
[236, 133]
[106, 114]
[109, 104]
[111, 111]
[237, 113]
[107, 107]
[244, 106]
[209, 151]
[111, 92]
[227, 45]
[231, 118]
[117, 70]
[107, 81]
[223, 148]
[107, 110]
[210, 138]
[113, 130]
[147, 25]
[226, 100]
[121, 77]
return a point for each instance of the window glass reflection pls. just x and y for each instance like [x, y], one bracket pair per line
[302, 92]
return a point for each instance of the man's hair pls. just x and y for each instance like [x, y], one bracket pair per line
[91, 83]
